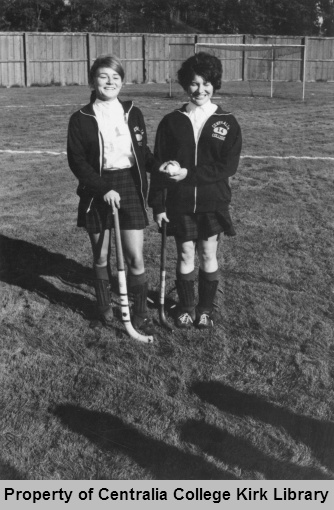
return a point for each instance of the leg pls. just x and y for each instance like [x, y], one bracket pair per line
[185, 280]
[207, 280]
[101, 251]
[133, 241]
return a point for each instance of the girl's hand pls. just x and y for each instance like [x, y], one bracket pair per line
[112, 198]
[158, 218]
[178, 175]
[173, 171]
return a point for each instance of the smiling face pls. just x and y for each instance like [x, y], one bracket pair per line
[107, 84]
[200, 91]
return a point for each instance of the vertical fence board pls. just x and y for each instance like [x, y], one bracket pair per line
[12, 71]
[157, 48]
[64, 58]
[287, 65]
[128, 47]
[232, 61]
[320, 59]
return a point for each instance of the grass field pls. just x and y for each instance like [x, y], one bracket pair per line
[251, 399]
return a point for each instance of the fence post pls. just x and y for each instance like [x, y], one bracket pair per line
[88, 47]
[144, 57]
[26, 60]
[244, 60]
[304, 64]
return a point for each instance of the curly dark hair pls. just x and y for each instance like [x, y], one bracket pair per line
[203, 64]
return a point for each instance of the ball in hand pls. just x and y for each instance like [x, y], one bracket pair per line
[172, 168]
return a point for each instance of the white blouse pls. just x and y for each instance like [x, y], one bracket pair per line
[199, 115]
[116, 136]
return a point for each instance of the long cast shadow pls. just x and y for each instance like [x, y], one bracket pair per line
[25, 264]
[111, 434]
[241, 453]
[317, 435]
[8, 472]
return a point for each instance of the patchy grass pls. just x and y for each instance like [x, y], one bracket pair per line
[252, 399]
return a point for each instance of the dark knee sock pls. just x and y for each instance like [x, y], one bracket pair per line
[207, 289]
[101, 285]
[185, 286]
[138, 288]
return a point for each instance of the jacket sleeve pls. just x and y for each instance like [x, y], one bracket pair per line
[217, 170]
[158, 180]
[78, 161]
[151, 163]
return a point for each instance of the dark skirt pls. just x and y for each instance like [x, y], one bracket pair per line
[132, 215]
[200, 226]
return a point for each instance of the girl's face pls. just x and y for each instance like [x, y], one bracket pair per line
[200, 91]
[107, 84]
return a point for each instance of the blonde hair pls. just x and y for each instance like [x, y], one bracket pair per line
[106, 61]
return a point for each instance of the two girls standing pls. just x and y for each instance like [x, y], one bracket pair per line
[200, 145]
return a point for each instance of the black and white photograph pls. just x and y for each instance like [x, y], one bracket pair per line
[167, 245]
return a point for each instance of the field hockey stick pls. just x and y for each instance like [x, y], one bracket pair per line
[123, 291]
[162, 316]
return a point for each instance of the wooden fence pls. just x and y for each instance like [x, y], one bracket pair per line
[34, 58]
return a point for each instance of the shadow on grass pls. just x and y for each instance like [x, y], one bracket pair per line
[25, 265]
[242, 454]
[8, 472]
[316, 434]
[110, 434]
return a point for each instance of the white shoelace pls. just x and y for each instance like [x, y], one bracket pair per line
[184, 318]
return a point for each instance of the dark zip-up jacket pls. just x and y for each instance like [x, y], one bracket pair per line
[210, 162]
[85, 152]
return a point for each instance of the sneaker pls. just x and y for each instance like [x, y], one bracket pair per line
[106, 315]
[144, 325]
[204, 321]
[184, 320]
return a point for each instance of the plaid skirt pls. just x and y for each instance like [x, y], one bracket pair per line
[132, 215]
[200, 226]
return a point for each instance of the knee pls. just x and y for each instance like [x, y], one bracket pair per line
[207, 257]
[187, 255]
[135, 262]
[102, 258]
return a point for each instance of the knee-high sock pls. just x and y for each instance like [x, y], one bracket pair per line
[101, 285]
[207, 289]
[185, 286]
[138, 288]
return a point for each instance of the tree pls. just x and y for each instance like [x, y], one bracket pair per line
[268, 17]
[326, 8]
[31, 15]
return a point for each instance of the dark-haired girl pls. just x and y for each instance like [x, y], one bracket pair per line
[192, 192]
[107, 151]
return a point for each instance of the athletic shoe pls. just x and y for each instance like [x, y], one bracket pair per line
[184, 320]
[106, 315]
[204, 321]
[143, 325]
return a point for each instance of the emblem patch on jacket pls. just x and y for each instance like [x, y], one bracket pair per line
[139, 133]
[220, 130]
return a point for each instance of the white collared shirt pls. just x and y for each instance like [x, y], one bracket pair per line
[116, 136]
[199, 115]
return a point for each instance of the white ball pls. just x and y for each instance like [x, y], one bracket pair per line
[173, 168]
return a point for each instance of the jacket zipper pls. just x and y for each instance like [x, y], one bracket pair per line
[101, 150]
[126, 115]
[196, 146]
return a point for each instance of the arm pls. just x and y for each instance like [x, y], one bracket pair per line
[151, 162]
[217, 170]
[158, 182]
[78, 161]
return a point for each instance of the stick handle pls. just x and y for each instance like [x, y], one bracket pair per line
[163, 263]
[118, 240]
[123, 291]
[162, 316]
